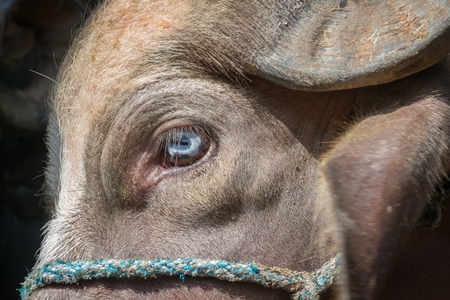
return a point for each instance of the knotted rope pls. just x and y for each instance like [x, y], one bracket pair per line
[301, 285]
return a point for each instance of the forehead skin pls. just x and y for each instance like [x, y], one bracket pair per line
[112, 47]
[129, 44]
[99, 67]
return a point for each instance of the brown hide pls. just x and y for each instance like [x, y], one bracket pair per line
[289, 178]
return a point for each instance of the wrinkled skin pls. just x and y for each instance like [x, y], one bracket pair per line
[289, 178]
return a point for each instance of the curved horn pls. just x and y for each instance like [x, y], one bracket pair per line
[339, 44]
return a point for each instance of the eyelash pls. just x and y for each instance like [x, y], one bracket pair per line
[180, 139]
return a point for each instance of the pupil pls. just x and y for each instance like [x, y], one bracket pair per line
[184, 141]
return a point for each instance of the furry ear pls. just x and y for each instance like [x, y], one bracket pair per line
[381, 175]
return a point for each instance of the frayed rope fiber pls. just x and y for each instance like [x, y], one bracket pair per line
[302, 285]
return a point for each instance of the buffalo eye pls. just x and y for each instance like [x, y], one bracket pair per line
[184, 146]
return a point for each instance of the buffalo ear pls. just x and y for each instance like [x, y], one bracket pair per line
[342, 44]
[381, 175]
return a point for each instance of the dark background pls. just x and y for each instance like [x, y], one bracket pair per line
[34, 35]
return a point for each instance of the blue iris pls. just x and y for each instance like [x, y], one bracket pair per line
[186, 144]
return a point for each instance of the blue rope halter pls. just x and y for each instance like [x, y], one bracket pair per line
[301, 285]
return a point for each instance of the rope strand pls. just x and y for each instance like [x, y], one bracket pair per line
[302, 285]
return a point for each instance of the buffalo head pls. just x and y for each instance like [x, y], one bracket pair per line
[274, 132]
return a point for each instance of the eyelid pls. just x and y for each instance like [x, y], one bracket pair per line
[163, 137]
[169, 125]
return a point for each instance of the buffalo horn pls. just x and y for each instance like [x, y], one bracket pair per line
[337, 44]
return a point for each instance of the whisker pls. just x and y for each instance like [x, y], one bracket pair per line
[45, 76]
[309, 258]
